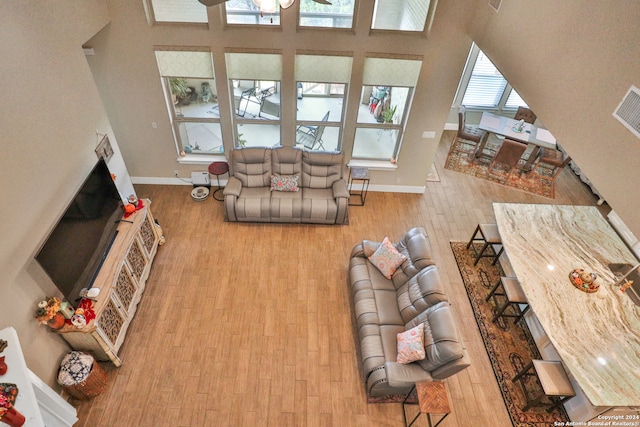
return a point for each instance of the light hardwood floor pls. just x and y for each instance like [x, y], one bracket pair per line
[250, 324]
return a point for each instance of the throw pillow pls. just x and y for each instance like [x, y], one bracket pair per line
[284, 183]
[411, 345]
[387, 258]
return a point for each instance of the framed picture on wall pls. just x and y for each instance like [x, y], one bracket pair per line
[104, 149]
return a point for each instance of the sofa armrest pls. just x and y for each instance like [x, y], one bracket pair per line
[400, 375]
[369, 247]
[452, 368]
[340, 189]
[233, 187]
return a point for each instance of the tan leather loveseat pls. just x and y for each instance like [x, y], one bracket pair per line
[385, 307]
[314, 189]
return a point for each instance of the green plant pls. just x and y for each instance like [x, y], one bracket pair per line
[389, 113]
[241, 141]
[179, 87]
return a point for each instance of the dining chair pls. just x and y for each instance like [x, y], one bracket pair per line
[468, 136]
[313, 134]
[525, 114]
[509, 154]
[551, 160]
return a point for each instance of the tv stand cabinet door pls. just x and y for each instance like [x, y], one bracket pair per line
[124, 289]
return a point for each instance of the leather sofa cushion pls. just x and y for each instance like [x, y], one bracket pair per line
[389, 338]
[286, 206]
[252, 166]
[319, 205]
[441, 341]
[422, 291]
[286, 161]
[253, 204]
[416, 247]
[321, 170]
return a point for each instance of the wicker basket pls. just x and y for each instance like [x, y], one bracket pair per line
[92, 385]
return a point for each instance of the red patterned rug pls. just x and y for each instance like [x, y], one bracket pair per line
[510, 347]
[459, 161]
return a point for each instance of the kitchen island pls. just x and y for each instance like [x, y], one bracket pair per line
[595, 334]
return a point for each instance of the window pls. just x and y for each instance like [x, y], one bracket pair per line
[321, 84]
[246, 12]
[191, 11]
[383, 108]
[336, 15]
[189, 87]
[483, 86]
[255, 86]
[405, 15]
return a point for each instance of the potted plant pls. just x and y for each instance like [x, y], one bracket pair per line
[389, 113]
[179, 88]
[241, 141]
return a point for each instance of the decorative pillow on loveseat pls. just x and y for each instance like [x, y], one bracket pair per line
[284, 183]
[386, 258]
[411, 345]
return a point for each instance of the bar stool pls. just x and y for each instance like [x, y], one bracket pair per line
[553, 379]
[514, 296]
[490, 236]
[217, 169]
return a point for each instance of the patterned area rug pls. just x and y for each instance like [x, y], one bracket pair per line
[459, 161]
[510, 347]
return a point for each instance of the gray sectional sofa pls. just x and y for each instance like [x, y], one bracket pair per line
[385, 307]
[321, 196]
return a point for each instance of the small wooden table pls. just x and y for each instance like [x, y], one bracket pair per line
[433, 398]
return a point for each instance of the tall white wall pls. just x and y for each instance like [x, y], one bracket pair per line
[50, 113]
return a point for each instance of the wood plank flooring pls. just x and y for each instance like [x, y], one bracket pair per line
[250, 324]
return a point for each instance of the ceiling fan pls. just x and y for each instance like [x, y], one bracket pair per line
[268, 6]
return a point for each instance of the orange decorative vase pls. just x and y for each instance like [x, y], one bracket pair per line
[13, 418]
[57, 321]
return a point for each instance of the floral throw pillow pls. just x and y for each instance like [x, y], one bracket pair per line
[284, 183]
[411, 345]
[387, 258]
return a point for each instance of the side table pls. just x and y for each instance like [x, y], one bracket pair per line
[433, 398]
[362, 175]
[217, 169]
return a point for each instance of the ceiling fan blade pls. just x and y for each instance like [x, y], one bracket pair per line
[211, 2]
[322, 1]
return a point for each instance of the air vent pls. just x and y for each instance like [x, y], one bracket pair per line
[495, 4]
[628, 112]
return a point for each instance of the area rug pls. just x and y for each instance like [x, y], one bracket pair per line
[510, 347]
[460, 161]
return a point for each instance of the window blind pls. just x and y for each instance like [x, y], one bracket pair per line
[391, 72]
[254, 66]
[174, 63]
[325, 69]
[486, 84]
[179, 11]
[400, 15]
[514, 100]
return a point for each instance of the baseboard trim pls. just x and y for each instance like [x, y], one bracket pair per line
[414, 189]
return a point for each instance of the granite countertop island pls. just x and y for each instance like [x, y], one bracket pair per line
[597, 335]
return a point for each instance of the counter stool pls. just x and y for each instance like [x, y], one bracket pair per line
[553, 379]
[217, 169]
[81, 376]
[490, 236]
[514, 295]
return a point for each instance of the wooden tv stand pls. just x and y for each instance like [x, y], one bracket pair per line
[121, 279]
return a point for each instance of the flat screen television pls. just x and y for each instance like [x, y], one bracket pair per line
[77, 246]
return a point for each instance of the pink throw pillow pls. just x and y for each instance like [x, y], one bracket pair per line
[387, 258]
[411, 345]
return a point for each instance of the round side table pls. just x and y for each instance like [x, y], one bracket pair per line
[217, 169]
